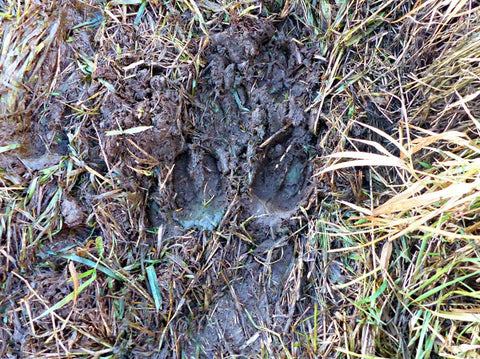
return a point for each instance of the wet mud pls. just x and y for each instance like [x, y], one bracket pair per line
[199, 191]
[245, 134]
[282, 173]
[241, 151]
[236, 150]
[229, 325]
[144, 102]
[250, 141]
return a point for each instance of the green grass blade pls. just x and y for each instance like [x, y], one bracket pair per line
[68, 298]
[89, 263]
[152, 280]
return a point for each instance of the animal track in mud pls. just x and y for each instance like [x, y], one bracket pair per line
[255, 85]
[250, 111]
[282, 173]
[200, 190]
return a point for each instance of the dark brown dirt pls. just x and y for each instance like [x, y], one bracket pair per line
[249, 112]
[236, 150]
[255, 83]
[199, 189]
[144, 102]
[248, 139]
[228, 326]
[240, 150]
[283, 172]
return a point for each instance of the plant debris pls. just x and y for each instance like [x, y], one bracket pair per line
[201, 179]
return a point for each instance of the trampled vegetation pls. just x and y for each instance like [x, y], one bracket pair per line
[277, 179]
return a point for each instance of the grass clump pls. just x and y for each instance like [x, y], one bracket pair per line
[379, 261]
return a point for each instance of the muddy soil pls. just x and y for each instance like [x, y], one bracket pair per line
[228, 327]
[249, 140]
[235, 153]
[199, 191]
[249, 114]
[243, 141]
[282, 172]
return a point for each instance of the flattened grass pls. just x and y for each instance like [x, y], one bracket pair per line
[388, 265]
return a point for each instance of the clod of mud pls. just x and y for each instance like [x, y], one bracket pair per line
[200, 190]
[283, 172]
[72, 212]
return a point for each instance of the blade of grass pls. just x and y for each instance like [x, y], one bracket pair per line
[152, 280]
[88, 263]
[68, 298]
